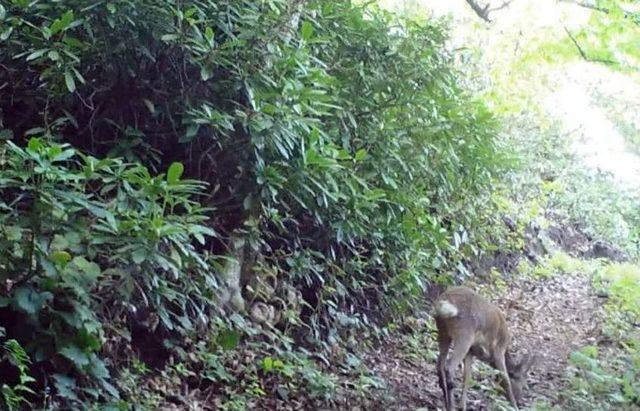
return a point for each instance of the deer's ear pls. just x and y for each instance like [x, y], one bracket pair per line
[517, 366]
[531, 361]
[523, 364]
[526, 362]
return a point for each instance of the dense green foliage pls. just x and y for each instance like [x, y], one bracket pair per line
[332, 138]
[609, 35]
[82, 239]
[612, 34]
[229, 198]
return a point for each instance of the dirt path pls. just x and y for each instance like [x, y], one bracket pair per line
[551, 318]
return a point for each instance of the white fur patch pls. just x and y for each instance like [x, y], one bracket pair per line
[446, 309]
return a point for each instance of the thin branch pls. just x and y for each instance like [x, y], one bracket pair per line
[583, 54]
[504, 5]
[634, 17]
[575, 42]
[587, 5]
[482, 12]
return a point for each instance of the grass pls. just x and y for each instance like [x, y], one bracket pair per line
[624, 284]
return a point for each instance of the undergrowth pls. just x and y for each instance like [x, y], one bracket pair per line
[607, 375]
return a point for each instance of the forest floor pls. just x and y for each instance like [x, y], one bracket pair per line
[548, 317]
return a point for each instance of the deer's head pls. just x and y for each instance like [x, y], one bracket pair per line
[518, 370]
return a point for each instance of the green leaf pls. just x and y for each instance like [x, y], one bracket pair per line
[64, 155]
[208, 34]
[13, 233]
[6, 34]
[191, 132]
[113, 391]
[150, 106]
[98, 369]
[67, 18]
[267, 364]
[248, 202]
[139, 255]
[62, 23]
[69, 81]
[34, 144]
[78, 75]
[228, 339]
[190, 12]
[175, 172]
[65, 386]
[76, 355]
[169, 37]
[59, 243]
[361, 154]
[3, 12]
[53, 55]
[61, 258]
[29, 300]
[37, 54]
[88, 267]
[72, 42]
[205, 73]
[306, 30]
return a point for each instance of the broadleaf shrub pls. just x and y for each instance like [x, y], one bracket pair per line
[85, 242]
[334, 138]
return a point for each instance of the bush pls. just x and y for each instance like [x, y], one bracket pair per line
[334, 138]
[83, 243]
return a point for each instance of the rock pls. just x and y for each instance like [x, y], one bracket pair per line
[569, 238]
[602, 249]
[534, 246]
[508, 221]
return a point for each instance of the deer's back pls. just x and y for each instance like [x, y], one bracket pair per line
[459, 311]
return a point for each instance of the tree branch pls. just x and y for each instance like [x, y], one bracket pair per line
[586, 5]
[634, 17]
[575, 42]
[583, 54]
[504, 5]
[482, 12]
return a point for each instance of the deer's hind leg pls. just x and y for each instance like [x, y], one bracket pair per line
[465, 380]
[444, 378]
[460, 353]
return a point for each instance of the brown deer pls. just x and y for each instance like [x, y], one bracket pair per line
[476, 328]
